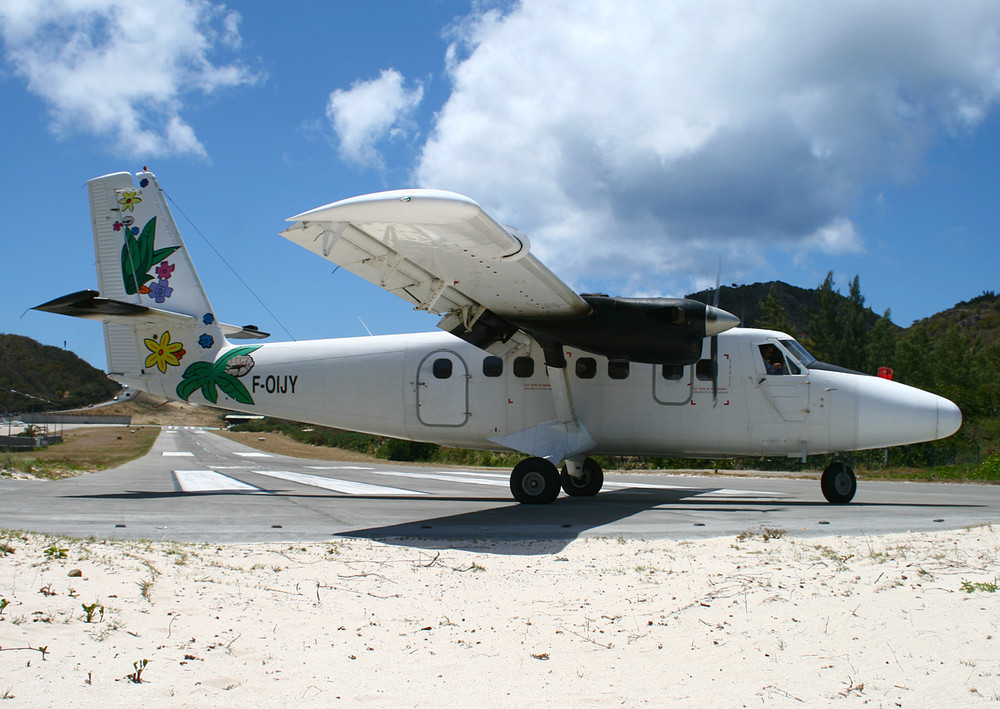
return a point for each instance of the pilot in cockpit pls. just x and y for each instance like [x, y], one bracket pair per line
[774, 362]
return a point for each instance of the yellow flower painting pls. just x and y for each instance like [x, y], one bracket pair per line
[163, 352]
[128, 201]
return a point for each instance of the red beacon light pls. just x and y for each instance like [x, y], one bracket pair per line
[885, 372]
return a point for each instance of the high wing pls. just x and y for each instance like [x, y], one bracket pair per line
[442, 253]
[438, 251]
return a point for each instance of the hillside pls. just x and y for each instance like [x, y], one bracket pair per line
[978, 319]
[37, 377]
[798, 303]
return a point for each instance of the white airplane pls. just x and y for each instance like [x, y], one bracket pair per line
[522, 363]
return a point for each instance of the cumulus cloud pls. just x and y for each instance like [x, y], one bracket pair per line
[626, 136]
[121, 69]
[370, 112]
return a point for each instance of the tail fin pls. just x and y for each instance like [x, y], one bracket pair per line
[151, 301]
[141, 259]
[140, 254]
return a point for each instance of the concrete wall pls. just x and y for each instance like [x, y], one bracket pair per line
[75, 418]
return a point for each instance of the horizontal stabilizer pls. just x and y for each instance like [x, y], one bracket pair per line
[90, 305]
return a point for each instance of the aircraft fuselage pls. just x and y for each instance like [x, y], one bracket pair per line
[435, 387]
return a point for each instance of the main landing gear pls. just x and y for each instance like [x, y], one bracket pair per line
[838, 483]
[536, 481]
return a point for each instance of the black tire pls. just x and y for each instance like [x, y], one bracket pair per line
[534, 481]
[838, 483]
[588, 484]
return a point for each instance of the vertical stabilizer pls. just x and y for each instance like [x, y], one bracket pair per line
[142, 260]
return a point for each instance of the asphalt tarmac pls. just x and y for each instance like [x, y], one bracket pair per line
[197, 486]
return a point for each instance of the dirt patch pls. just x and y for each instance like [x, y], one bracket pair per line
[280, 444]
[150, 410]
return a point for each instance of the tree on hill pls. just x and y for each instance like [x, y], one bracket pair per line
[772, 312]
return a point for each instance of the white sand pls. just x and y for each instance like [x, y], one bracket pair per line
[786, 622]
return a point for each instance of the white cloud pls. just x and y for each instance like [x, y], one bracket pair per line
[120, 69]
[370, 112]
[625, 136]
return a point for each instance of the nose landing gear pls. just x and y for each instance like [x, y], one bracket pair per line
[838, 483]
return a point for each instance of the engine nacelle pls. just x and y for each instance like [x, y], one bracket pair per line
[650, 330]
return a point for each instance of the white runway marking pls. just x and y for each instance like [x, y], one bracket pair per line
[720, 492]
[177, 454]
[338, 467]
[348, 487]
[253, 455]
[503, 480]
[210, 481]
[463, 478]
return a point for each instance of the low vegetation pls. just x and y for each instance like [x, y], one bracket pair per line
[82, 450]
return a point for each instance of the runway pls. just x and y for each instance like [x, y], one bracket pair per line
[197, 486]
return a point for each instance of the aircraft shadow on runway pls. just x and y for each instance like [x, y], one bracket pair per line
[506, 529]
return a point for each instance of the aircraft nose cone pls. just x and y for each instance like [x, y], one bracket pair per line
[892, 414]
[718, 320]
[949, 417]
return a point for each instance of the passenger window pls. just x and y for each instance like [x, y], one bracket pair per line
[586, 368]
[774, 361]
[618, 368]
[672, 372]
[524, 367]
[705, 370]
[492, 367]
[442, 368]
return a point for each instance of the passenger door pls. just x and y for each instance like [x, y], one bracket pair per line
[443, 389]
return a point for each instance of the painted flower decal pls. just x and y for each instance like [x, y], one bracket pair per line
[117, 226]
[208, 319]
[128, 201]
[143, 183]
[206, 341]
[160, 291]
[164, 352]
[164, 271]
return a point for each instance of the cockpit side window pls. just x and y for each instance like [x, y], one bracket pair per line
[799, 352]
[774, 360]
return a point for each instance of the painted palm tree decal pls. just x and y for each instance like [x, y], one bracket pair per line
[211, 376]
[139, 256]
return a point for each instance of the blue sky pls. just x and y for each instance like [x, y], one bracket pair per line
[633, 142]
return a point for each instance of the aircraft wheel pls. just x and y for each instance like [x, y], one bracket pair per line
[588, 484]
[838, 483]
[534, 481]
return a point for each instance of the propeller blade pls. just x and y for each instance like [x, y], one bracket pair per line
[718, 280]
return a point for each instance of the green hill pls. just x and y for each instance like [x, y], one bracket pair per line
[37, 377]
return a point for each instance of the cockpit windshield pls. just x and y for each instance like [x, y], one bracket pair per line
[799, 352]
